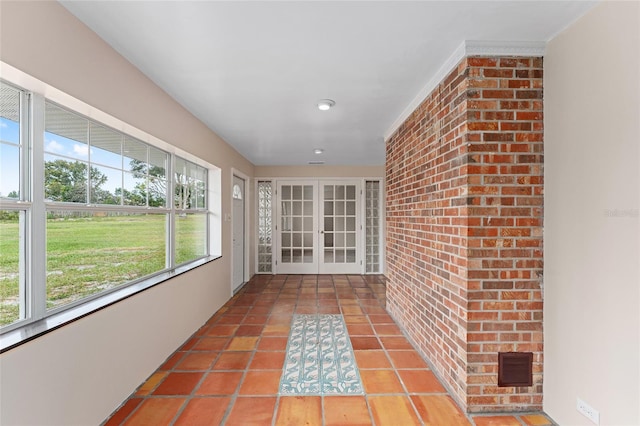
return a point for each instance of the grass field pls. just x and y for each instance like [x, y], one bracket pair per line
[87, 254]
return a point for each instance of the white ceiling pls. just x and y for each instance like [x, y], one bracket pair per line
[254, 71]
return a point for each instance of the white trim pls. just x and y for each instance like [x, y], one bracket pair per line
[504, 48]
[467, 48]
[37, 224]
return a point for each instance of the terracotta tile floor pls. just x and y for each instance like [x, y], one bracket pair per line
[228, 372]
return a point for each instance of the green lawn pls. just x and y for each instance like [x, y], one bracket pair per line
[86, 255]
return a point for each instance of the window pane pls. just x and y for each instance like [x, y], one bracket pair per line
[191, 237]
[190, 185]
[109, 182]
[134, 192]
[90, 252]
[157, 189]
[9, 142]
[66, 133]
[135, 156]
[106, 146]
[9, 170]
[66, 180]
[182, 196]
[264, 227]
[10, 299]
[157, 192]
[372, 226]
[158, 163]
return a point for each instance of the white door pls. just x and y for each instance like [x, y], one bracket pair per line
[340, 227]
[318, 227]
[238, 194]
[297, 228]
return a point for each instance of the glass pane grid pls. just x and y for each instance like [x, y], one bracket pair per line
[339, 218]
[109, 238]
[296, 237]
[265, 230]
[86, 162]
[372, 226]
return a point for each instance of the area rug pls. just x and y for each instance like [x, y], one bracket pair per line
[319, 359]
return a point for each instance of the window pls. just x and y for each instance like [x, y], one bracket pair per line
[101, 216]
[372, 228]
[265, 258]
[191, 210]
[14, 205]
[237, 192]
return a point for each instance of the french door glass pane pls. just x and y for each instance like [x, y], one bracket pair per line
[296, 241]
[339, 223]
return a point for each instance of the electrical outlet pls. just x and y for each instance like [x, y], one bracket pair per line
[588, 411]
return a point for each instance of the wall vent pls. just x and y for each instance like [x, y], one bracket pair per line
[515, 369]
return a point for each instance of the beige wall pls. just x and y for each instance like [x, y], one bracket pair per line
[591, 228]
[319, 171]
[81, 372]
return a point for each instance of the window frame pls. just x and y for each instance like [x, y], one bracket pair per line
[22, 205]
[36, 318]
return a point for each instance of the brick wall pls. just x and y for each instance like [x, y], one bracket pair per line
[464, 227]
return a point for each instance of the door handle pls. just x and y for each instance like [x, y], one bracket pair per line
[322, 232]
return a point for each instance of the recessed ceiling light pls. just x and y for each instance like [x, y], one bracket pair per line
[325, 104]
[318, 151]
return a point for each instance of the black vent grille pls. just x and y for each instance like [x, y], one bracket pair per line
[515, 369]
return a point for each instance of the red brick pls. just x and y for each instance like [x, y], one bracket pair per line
[497, 94]
[464, 227]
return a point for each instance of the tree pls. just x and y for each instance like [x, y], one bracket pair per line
[156, 189]
[66, 181]
[132, 198]
[155, 185]
[183, 191]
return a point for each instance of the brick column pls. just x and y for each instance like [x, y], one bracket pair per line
[464, 227]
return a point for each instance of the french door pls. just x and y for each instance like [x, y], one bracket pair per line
[318, 227]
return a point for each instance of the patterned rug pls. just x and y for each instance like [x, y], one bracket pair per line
[319, 359]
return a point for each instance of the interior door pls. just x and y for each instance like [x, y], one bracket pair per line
[340, 227]
[238, 196]
[297, 228]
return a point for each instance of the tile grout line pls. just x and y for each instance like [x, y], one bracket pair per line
[298, 295]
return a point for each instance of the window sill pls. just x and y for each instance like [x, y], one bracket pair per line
[18, 336]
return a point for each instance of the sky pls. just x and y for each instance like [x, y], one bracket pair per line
[57, 147]
[9, 155]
